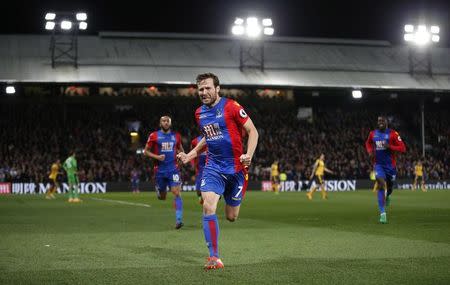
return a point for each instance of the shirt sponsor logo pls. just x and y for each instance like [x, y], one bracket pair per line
[167, 146]
[380, 145]
[212, 132]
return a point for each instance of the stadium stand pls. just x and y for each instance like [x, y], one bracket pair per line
[35, 135]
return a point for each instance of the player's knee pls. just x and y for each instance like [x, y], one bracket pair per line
[208, 208]
[232, 218]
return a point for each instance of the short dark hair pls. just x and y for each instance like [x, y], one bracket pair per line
[204, 76]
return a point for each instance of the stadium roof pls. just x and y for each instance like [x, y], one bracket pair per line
[157, 58]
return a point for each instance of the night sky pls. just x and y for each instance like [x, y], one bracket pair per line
[375, 19]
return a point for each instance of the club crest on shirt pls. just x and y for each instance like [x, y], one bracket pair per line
[219, 114]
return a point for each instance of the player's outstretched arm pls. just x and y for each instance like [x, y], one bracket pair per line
[328, 170]
[185, 158]
[252, 142]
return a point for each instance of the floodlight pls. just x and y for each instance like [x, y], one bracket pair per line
[239, 21]
[10, 90]
[409, 28]
[81, 16]
[357, 94]
[252, 21]
[267, 22]
[49, 25]
[435, 38]
[422, 37]
[50, 16]
[253, 31]
[409, 37]
[238, 30]
[421, 28]
[434, 29]
[252, 27]
[66, 25]
[82, 25]
[268, 31]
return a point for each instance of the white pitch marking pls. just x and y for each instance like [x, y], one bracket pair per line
[122, 202]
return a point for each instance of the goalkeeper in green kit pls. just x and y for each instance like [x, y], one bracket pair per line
[70, 166]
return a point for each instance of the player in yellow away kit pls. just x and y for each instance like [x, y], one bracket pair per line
[318, 172]
[274, 177]
[375, 186]
[418, 172]
[54, 171]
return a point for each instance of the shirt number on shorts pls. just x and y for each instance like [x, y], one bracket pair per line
[176, 177]
[239, 192]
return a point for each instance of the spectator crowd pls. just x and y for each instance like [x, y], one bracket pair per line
[34, 135]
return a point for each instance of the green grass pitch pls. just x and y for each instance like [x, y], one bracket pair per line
[278, 239]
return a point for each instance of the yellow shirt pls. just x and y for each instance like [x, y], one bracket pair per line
[418, 170]
[54, 171]
[320, 167]
[274, 169]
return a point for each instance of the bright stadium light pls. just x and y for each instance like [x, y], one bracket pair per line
[409, 37]
[65, 21]
[253, 31]
[49, 25]
[50, 16]
[252, 27]
[134, 134]
[81, 16]
[239, 21]
[357, 94]
[435, 38]
[409, 28]
[252, 21]
[82, 25]
[66, 25]
[267, 22]
[238, 30]
[10, 90]
[268, 31]
[421, 35]
[434, 29]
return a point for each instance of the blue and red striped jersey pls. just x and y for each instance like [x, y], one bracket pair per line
[384, 145]
[164, 143]
[222, 127]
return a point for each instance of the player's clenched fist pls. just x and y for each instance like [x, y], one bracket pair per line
[183, 157]
[245, 159]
